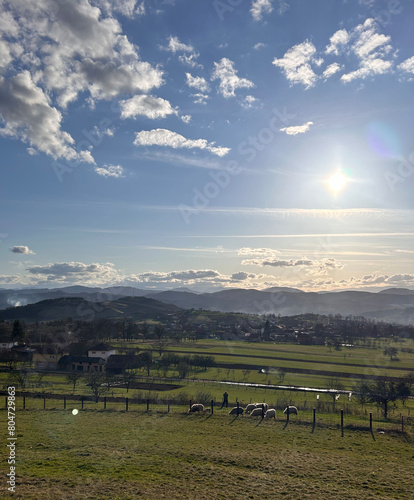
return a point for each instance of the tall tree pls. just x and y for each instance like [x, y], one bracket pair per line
[18, 332]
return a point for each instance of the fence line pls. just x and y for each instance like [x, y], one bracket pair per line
[317, 416]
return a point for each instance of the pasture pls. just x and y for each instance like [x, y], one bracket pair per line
[126, 455]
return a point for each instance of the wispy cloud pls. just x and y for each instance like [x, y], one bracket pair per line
[115, 171]
[229, 81]
[298, 129]
[168, 138]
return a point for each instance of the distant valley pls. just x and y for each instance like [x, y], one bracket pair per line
[391, 305]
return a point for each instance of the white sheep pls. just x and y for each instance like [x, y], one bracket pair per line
[252, 406]
[292, 410]
[257, 412]
[271, 413]
[196, 408]
[236, 411]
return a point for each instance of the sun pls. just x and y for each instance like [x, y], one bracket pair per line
[337, 181]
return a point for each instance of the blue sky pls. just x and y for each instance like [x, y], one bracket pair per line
[207, 144]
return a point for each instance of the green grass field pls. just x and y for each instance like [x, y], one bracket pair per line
[156, 455]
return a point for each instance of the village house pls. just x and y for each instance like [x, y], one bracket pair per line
[101, 351]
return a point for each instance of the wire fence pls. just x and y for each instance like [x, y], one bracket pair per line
[322, 415]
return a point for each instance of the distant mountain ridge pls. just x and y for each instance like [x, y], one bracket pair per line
[392, 305]
[77, 308]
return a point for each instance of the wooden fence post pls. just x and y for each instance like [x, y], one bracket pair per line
[168, 408]
[82, 403]
[212, 407]
[148, 401]
[126, 404]
[24, 402]
[370, 421]
[342, 422]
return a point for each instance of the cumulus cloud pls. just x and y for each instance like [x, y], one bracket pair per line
[338, 42]
[260, 7]
[229, 81]
[188, 56]
[75, 272]
[146, 105]
[372, 50]
[296, 63]
[331, 70]
[174, 45]
[28, 115]
[168, 138]
[52, 55]
[22, 249]
[298, 129]
[197, 82]
[407, 65]
[110, 171]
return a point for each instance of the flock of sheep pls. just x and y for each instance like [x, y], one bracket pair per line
[252, 409]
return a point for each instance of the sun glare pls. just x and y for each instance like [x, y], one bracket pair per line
[337, 181]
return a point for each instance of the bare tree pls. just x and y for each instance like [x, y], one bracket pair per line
[97, 384]
[73, 377]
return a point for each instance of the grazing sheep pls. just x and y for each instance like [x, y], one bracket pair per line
[292, 410]
[252, 406]
[236, 411]
[257, 412]
[196, 408]
[270, 413]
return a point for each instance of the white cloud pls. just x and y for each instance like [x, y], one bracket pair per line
[197, 82]
[320, 264]
[298, 129]
[190, 60]
[146, 105]
[331, 70]
[338, 42]
[174, 45]
[259, 45]
[372, 50]
[22, 249]
[261, 252]
[76, 271]
[110, 171]
[64, 50]
[260, 7]
[28, 115]
[296, 64]
[168, 138]
[229, 81]
[186, 118]
[407, 65]
[250, 102]
[200, 98]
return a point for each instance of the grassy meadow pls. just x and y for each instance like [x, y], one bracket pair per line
[156, 455]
